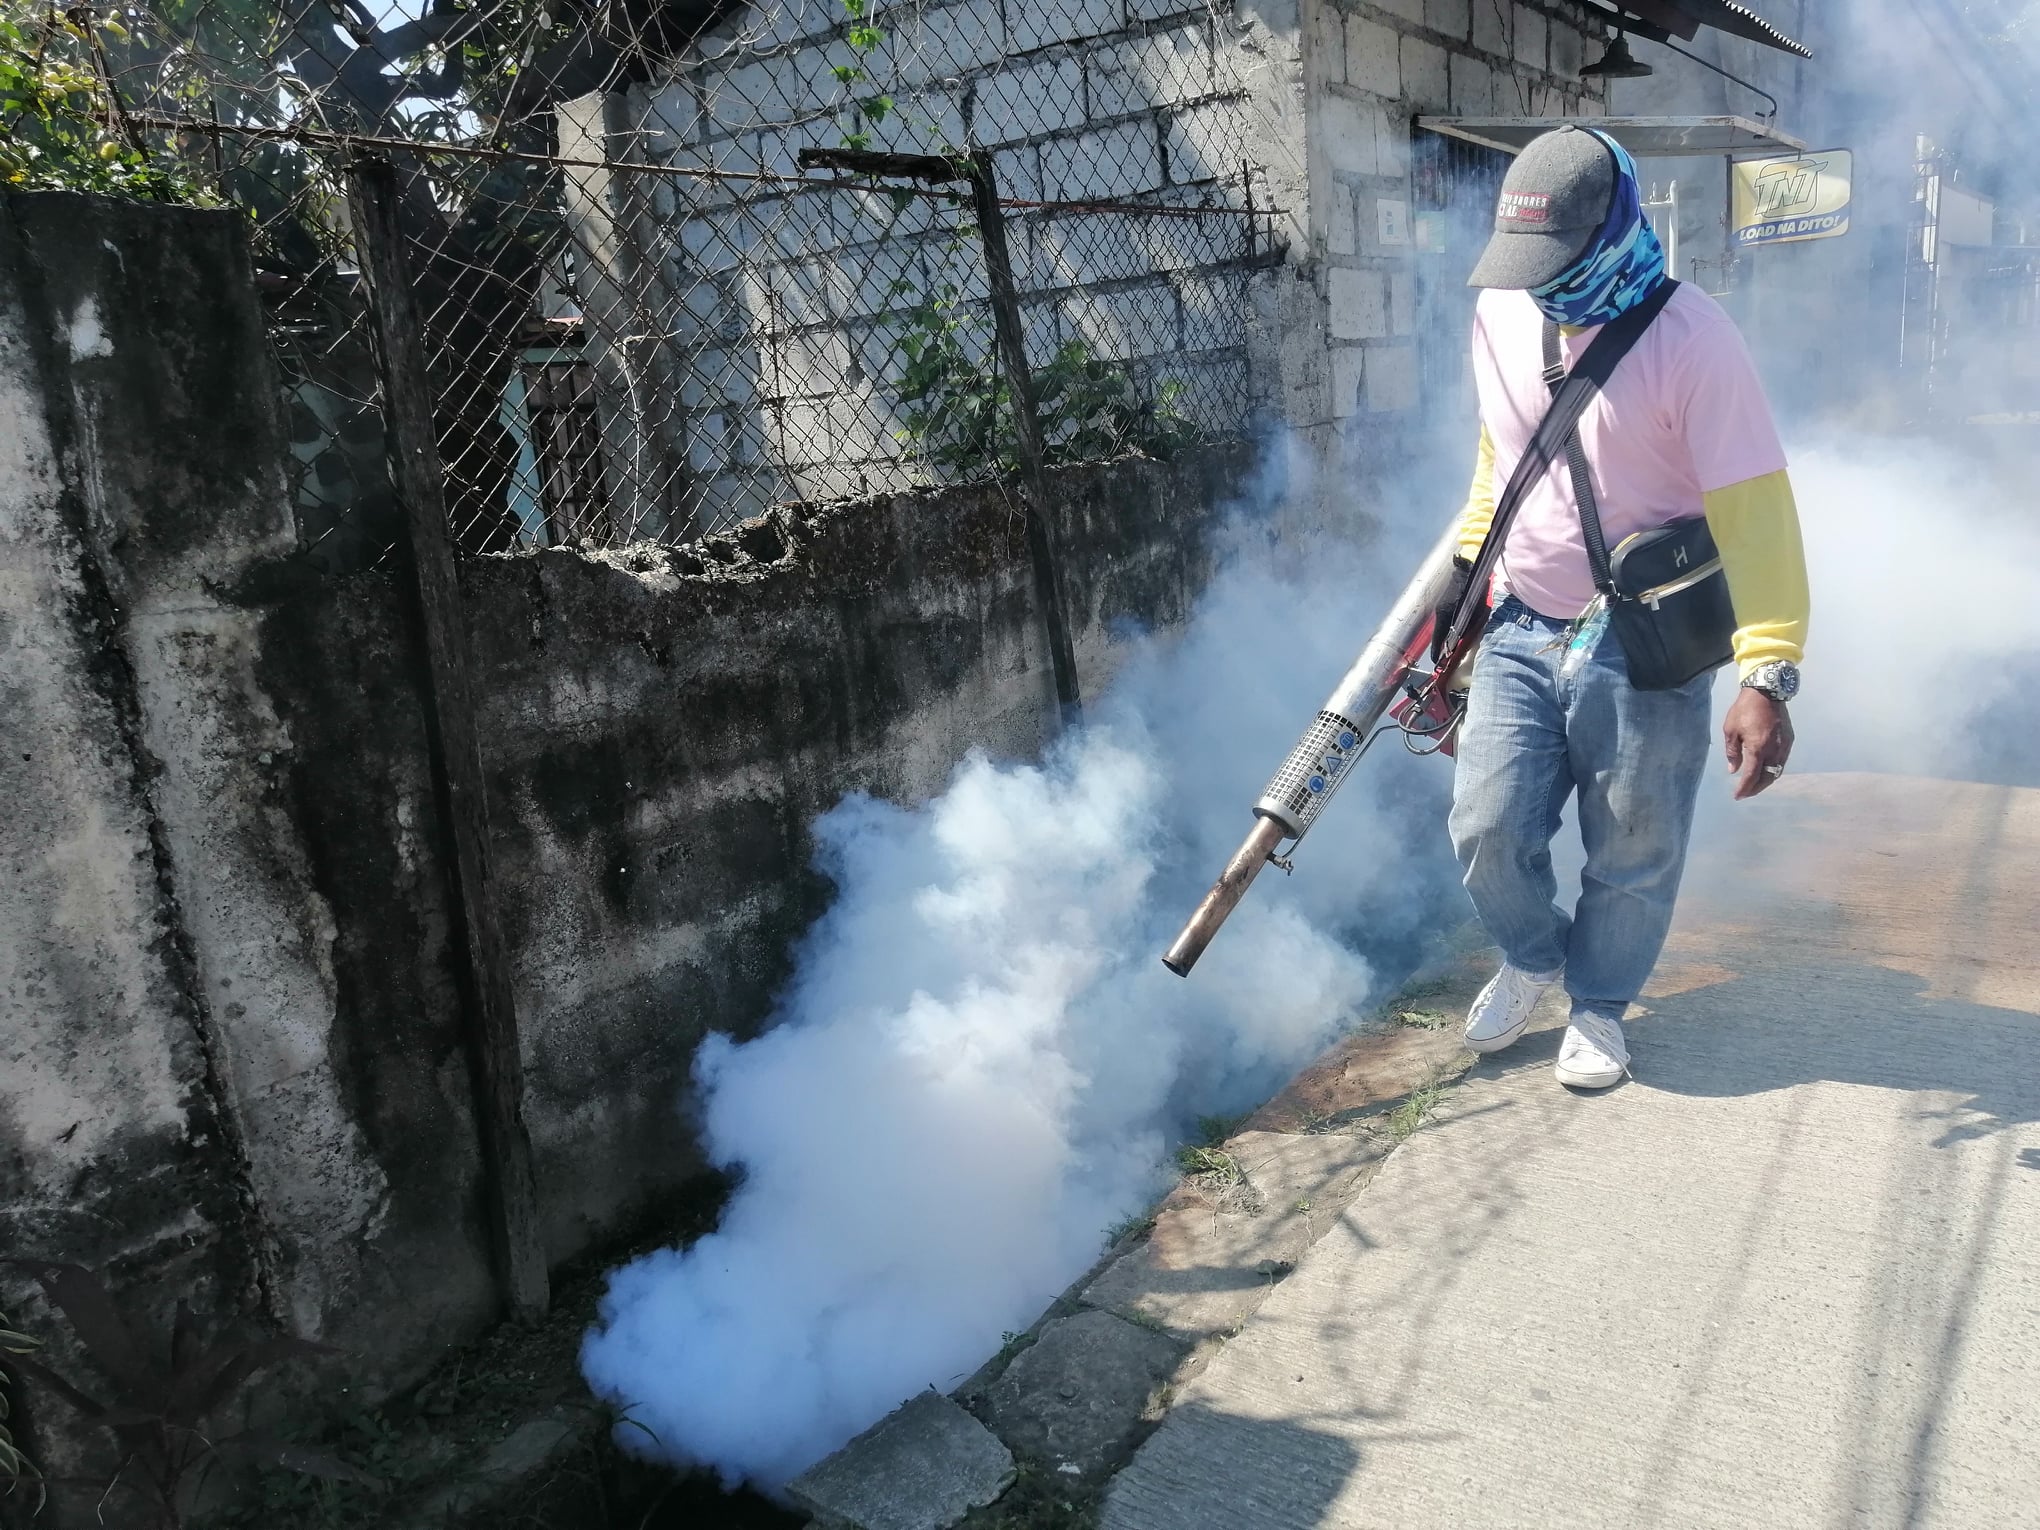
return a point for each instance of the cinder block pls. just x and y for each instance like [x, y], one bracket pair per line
[672, 113]
[1038, 25]
[1351, 129]
[1452, 17]
[714, 378]
[943, 44]
[1111, 162]
[1567, 51]
[1214, 311]
[1349, 376]
[1358, 304]
[1178, 244]
[1425, 84]
[1493, 29]
[1402, 302]
[1409, 10]
[808, 291]
[1473, 86]
[1391, 378]
[1073, 250]
[705, 451]
[1392, 145]
[1373, 57]
[1164, 69]
[1531, 31]
[1018, 172]
[753, 94]
[1123, 325]
[1207, 143]
[1325, 43]
[1341, 237]
[1028, 102]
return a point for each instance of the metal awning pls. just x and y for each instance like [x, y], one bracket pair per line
[1660, 20]
[1644, 137]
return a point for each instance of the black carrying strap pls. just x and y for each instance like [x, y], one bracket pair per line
[1571, 392]
[1555, 377]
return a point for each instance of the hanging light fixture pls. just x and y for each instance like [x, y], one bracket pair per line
[1617, 63]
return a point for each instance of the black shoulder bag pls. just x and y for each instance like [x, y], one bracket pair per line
[1668, 598]
[1557, 432]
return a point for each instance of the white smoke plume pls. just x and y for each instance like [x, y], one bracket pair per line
[1922, 558]
[981, 1063]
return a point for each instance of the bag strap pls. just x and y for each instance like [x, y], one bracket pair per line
[1571, 392]
[1575, 453]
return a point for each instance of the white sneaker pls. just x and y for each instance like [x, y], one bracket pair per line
[1593, 1055]
[1503, 1009]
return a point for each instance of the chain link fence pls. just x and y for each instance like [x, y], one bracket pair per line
[677, 264]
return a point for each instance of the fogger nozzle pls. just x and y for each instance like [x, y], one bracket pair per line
[1318, 763]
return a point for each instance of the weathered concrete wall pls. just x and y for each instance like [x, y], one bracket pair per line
[231, 1065]
[659, 741]
[332, 1182]
[114, 1144]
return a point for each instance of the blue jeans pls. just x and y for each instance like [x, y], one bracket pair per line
[1532, 738]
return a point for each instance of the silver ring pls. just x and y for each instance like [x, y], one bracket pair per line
[1774, 770]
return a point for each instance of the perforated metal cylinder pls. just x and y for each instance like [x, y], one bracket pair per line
[1307, 778]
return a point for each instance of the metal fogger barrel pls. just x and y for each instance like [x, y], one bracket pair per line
[1319, 762]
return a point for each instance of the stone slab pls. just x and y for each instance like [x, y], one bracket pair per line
[1214, 1253]
[1786, 1275]
[922, 1467]
[1080, 1397]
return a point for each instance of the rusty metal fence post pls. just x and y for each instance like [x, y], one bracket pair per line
[975, 171]
[1032, 448]
[375, 192]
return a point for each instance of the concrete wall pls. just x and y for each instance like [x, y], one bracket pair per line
[195, 1080]
[231, 1065]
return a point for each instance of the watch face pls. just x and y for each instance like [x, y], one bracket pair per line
[1778, 680]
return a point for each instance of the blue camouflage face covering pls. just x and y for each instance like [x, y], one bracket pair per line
[1621, 265]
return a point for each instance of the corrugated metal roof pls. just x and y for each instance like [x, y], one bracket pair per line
[1659, 19]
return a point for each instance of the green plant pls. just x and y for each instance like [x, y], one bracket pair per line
[959, 406]
[862, 112]
[1213, 1130]
[1424, 1019]
[15, 1466]
[1414, 1111]
[165, 1398]
[61, 126]
[1213, 1162]
[1137, 1225]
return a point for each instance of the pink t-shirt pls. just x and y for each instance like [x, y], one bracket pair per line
[1684, 414]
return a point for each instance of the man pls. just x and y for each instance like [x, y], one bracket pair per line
[1681, 429]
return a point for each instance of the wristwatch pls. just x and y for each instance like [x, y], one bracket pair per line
[1776, 678]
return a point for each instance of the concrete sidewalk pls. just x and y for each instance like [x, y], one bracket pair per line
[1788, 1275]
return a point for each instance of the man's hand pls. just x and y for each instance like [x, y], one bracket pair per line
[1757, 734]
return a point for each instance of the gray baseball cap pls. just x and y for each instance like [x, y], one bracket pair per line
[1554, 198]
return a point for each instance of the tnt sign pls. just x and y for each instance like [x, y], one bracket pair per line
[1787, 199]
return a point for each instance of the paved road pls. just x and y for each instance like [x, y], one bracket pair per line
[1788, 1275]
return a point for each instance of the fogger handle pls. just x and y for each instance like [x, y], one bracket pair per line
[1316, 766]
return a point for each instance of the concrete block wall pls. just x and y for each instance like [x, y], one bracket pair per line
[1372, 70]
[1077, 100]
